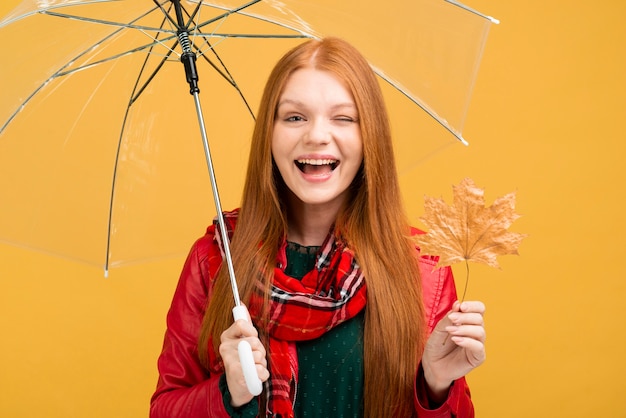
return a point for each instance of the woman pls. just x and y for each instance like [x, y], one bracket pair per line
[351, 320]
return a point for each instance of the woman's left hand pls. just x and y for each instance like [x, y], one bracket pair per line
[455, 347]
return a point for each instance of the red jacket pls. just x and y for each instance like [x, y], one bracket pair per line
[185, 388]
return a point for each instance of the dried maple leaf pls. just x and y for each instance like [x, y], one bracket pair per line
[467, 230]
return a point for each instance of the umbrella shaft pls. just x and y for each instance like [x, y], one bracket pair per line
[218, 205]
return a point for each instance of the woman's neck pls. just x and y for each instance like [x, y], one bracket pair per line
[309, 225]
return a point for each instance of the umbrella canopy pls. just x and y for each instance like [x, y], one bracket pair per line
[100, 157]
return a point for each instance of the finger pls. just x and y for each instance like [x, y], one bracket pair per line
[246, 328]
[229, 352]
[263, 373]
[239, 329]
[472, 306]
[256, 344]
[458, 318]
[232, 332]
[475, 349]
[468, 331]
[259, 357]
[456, 306]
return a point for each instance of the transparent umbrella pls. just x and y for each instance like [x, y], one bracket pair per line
[100, 153]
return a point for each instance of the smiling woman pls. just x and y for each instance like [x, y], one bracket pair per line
[326, 264]
[317, 147]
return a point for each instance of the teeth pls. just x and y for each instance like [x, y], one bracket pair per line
[317, 162]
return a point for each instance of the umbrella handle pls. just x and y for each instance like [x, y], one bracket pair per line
[254, 384]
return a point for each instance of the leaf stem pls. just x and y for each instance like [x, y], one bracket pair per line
[467, 269]
[464, 291]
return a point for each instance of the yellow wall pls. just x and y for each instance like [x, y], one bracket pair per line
[546, 120]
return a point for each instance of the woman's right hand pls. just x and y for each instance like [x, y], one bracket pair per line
[230, 356]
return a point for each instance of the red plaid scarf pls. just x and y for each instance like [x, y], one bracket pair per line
[333, 292]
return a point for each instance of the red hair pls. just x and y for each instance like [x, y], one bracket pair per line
[373, 223]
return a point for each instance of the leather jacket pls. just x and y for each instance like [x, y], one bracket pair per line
[186, 389]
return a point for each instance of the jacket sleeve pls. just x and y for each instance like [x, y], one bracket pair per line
[185, 388]
[439, 295]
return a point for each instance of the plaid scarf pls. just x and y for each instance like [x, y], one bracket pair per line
[333, 292]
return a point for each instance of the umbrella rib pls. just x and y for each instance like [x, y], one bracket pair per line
[170, 50]
[423, 106]
[166, 13]
[474, 11]
[302, 33]
[227, 12]
[191, 16]
[60, 73]
[228, 77]
[136, 92]
[46, 9]
[110, 58]
[147, 28]
[119, 25]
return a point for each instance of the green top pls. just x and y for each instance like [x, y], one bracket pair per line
[330, 375]
[330, 368]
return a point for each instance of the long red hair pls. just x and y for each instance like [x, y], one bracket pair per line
[373, 223]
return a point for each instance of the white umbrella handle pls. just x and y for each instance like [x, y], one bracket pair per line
[254, 384]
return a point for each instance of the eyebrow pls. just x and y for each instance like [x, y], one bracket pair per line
[351, 105]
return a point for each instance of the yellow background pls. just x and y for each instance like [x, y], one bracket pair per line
[546, 120]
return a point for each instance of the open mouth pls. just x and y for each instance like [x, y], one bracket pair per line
[313, 166]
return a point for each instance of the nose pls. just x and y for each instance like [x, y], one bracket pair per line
[318, 132]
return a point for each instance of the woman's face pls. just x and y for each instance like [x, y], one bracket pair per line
[317, 142]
